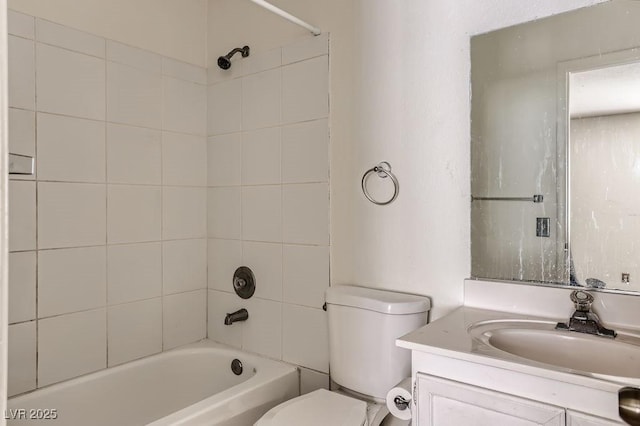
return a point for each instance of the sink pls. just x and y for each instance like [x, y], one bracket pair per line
[538, 341]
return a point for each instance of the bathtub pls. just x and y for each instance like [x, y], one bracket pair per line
[191, 385]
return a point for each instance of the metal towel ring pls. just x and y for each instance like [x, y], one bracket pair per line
[383, 170]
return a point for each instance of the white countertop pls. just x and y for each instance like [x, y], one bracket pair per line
[449, 337]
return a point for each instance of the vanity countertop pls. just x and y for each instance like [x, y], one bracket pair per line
[449, 337]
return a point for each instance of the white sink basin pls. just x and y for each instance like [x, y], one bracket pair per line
[539, 341]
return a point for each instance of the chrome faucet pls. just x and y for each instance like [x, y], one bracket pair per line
[584, 320]
[240, 315]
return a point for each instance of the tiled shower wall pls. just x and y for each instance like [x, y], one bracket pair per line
[108, 243]
[269, 203]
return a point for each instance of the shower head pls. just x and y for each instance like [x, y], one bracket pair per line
[224, 62]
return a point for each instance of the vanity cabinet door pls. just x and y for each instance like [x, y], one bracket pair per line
[580, 419]
[447, 403]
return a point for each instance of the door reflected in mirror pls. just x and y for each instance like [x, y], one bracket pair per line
[604, 176]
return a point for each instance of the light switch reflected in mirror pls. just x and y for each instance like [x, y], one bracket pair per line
[554, 112]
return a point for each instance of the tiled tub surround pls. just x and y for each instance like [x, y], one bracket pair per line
[268, 197]
[108, 242]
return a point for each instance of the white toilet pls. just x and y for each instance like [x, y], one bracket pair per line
[364, 360]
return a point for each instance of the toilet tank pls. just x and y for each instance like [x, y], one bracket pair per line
[363, 326]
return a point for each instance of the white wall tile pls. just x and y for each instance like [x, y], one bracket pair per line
[305, 337]
[184, 265]
[265, 260]
[184, 71]
[305, 212]
[262, 61]
[22, 215]
[71, 345]
[134, 96]
[225, 256]
[305, 152]
[22, 132]
[71, 214]
[20, 24]
[134, 272]
[215, 74]
[225, 212]
[312, 380]
[134, 330]
[224, 155]
[134, 57]
[184, 106]
[70, 83]
[262, 213]
[22, 286]
[261, 99]
[220, 304]
[134, 155]
[305, 90]
[305, 274]
[184, 212]
[22, 358]
[22, 69]
[133, 214]
[308, 48]
[70, 149]
[262, 332]
[261, 157]
[184, 318]
[224, 106]
[22, 136]
[69, 38]
[184, 159]
[71, 280]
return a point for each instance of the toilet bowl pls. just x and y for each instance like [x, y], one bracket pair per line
[322, 408]
[365, 362]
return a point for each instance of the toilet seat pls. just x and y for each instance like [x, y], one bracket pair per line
[318, 408]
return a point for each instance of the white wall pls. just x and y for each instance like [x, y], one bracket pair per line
[233, 23]
[269, 203]
[416, 55]
[400, 93]
[108, 240]
[174, 28]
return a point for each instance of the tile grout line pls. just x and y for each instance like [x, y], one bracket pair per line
[106, 206]
[35, 117]
[162, 227]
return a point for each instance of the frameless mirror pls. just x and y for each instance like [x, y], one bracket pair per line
[555, 149]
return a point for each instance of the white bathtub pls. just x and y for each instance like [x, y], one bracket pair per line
[192, 385]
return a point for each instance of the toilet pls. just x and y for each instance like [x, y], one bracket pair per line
[365, 363]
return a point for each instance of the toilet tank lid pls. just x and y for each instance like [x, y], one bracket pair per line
[386, 302]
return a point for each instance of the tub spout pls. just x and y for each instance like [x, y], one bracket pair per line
[241, 315]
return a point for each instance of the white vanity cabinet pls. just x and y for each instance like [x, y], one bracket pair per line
[447, 403]
[453, 392]
[442, 402]
[580, 419]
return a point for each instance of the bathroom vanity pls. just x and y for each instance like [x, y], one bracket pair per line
[498, 360]
[555, 142]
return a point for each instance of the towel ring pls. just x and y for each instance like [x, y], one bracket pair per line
[383, 170]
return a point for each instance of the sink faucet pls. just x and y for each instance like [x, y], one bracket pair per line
[584, 320]
[240, 315]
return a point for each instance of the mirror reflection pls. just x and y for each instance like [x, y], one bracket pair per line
[604, 177]
[555, 149]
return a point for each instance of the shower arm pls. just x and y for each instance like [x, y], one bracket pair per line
[244, 51]
[286, 15]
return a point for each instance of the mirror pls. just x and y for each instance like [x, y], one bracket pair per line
[555, 150]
